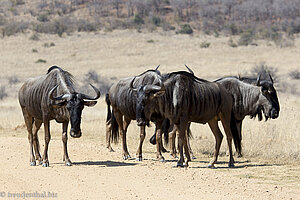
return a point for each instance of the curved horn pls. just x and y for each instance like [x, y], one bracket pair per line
[271, 78]
[62, 97]
[131, 85]
[157, 67]
[189, 69]
[149, 88]
[98, 94]
[258, 80]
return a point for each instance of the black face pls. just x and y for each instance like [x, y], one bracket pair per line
[141, 101]
[145, 95]
[75, 106]
[270, 93]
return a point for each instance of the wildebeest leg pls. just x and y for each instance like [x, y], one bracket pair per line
[29, 121]
[119, 119]
[182, 128]
[126, 123]
[139, 156]
[65, 140]
[172, 142]
[159, 156]
[188, 133]
[213, 124]
[108, 136]
[225, 119]
[36, 126]
[47, 140]
[239, 129]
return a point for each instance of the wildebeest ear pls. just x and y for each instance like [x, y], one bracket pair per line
[90, 103]
[60, 104]
[258, 80]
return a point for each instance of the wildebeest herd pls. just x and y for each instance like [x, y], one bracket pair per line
[171, 101]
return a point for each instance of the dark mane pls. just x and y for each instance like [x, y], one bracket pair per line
[69, 78]
[219, 79]
[188, 74]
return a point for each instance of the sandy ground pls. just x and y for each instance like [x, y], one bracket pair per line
[98, 174]
[269, 170]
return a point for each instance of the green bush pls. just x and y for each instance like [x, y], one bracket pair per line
[43, 17]
[185, 29]
[246, 38]
[156, 21]
[138, 19]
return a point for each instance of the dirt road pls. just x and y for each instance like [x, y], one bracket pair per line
[98, 174]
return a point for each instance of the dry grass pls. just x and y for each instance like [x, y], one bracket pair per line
[127, 53]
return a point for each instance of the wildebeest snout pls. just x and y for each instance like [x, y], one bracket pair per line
[141, 122]
[75, 134]
[274, 113]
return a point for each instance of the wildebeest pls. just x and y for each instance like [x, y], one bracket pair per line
[123, 101]
[52, 96]
[251, 96]
[187, 99]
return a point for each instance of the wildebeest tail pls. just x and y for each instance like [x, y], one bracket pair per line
[189, 132]
[114, 129]
[108, 107]
[235, 134]
[165, 129]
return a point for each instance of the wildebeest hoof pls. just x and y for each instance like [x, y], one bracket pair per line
[239, 155]
[164, 150]
[210, 165]
[68, 163]
[109, 149]
[126, 157]
[162, 159]
[193, 157]
[139, 158]
[179, 164]
[45, 164]
[33, 163]
[231, 165]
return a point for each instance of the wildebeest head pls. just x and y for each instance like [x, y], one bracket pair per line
[145, 94]
[270, 104]
[75, 103]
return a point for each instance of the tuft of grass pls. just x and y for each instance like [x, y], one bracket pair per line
[13, 80]
[34, 37]
[204, 44]
[185, 29]
[295, 74]
[40, 61]
[34, 51]
[150, 41]
[3, 93]
[231, 43]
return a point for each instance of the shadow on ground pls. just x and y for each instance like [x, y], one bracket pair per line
[105, 163]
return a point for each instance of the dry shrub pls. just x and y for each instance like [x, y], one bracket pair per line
[3, 93]
[102, 83]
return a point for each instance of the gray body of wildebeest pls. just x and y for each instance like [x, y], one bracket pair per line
[123, 102]
[252, 96]
[185, 98]
[52, 96]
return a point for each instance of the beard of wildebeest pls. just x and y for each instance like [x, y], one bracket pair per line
[272, 107]
[75, 107]
[140, 106]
